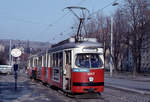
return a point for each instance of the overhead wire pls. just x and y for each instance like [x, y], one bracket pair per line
[57, 20]
[81, 2]
[32, 22]
[54, 23]
[62, 33]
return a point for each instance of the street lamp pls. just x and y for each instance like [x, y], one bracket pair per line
[111, 43]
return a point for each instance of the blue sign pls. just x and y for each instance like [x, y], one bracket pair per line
[80, 70]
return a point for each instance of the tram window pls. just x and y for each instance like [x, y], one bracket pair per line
[68, 57]
[88, 61]
[60, 60]
[44, 61]
[35, 62]
[51, 60]
[56, 60]
[40, 61]
[31, 62]
[56, 74]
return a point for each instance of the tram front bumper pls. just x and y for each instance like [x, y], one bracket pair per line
[87, 89]
[91, 90]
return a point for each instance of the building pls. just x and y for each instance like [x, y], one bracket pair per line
[2, 48]
[127, 63]
[145, 52]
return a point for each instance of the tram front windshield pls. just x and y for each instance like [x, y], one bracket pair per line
[88, 61]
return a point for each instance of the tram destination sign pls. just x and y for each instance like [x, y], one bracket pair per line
[16, 52]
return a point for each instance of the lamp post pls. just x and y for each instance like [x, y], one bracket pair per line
[111, 49]
[10, 60]
[111, 44]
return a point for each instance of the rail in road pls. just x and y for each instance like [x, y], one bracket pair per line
[29, 91]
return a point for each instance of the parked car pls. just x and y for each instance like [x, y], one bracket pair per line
[6, 69]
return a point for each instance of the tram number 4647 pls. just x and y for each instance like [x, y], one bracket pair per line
[91, 73]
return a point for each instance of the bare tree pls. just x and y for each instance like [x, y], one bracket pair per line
[99, 27]
[120, 29]
[136, 11]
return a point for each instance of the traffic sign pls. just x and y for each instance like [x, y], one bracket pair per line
[16, 52]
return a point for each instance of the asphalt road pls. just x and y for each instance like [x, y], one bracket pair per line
[29, 91]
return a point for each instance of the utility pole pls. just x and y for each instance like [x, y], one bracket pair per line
[10, 62]
[111, 49]
[111, 44]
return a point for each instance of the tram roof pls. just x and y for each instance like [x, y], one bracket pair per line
[70, 43]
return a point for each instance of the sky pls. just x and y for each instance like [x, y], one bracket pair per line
[43, 20]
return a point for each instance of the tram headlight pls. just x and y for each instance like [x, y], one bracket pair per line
[91, 79]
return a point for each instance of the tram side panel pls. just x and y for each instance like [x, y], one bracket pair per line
[56, 77]
[42, 74]
[49, 75]
[45, 69]
[45, 75]
[39, 73]
[55, 69]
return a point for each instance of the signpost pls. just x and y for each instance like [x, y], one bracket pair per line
[15, 53]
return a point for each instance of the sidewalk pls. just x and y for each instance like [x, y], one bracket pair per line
[140, 84]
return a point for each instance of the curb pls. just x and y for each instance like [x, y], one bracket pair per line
[148, 80]
[127, 89]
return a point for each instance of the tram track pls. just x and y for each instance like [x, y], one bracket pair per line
[84, 97]
[36, 90]
[119, 99]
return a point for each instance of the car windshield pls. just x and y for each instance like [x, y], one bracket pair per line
[88, 61]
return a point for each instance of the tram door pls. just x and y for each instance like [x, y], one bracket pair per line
[67, 71]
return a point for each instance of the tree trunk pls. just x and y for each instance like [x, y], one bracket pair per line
[135, 65]
[139, 64]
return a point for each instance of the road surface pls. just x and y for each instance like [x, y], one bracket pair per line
[29, 91]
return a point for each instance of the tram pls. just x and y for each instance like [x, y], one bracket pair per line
[74, 67]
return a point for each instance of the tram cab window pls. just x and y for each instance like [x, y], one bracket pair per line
[40, 61]
[88, 61]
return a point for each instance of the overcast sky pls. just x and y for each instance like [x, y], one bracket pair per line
[43, 20]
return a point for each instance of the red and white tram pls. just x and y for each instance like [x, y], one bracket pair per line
[75, 67]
